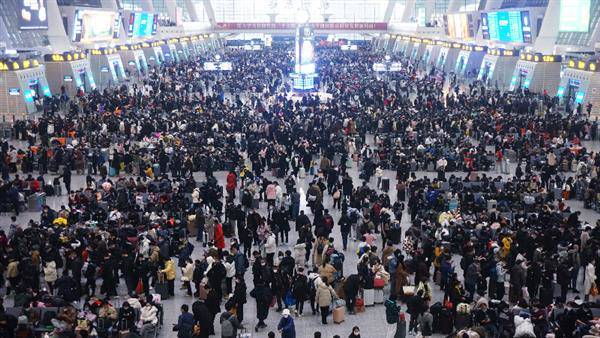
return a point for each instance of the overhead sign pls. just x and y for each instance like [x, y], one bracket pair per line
[375, 26]
[539, 57]
[65, 57]
[589, 66]
[19, 64]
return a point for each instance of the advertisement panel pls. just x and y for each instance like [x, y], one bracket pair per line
[574, 16]
[93, 25]
[33, 14]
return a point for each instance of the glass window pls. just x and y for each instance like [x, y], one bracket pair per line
[398, 13]
[469, 5]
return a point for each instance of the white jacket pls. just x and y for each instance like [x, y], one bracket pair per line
[271, 244]
[187, 272]
[229, 269]
[50, 273]
[524, 328]
[149, 314]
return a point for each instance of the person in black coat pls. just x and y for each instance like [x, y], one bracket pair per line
[414, 308]
[126, 317]
[203, 317]
[351, 287]
[263, 297]
[215, 276]
[213, 302]
[239, 296]
[300, 290]
[67, 287]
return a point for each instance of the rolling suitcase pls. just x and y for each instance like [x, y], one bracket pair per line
[161, 287]
[49, 190]
[369, 297]
[385, 184]
[40, 201]
[339, 314]
[446, 324]
[31, 202]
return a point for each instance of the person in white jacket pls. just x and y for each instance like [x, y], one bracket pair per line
[229, 265]
[50, 275]
[300, 254]
[590, 280]
[187, 274]
[148, 319]
[270, 247]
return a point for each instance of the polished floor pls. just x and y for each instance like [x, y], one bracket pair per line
[372, 322]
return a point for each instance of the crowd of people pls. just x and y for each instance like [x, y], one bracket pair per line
[439, 250]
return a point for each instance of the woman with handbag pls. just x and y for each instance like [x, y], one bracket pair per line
[589, 284]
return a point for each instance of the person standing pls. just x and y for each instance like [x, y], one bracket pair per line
[185, 323]
[300, 290]
[324, 296]
[392, 312]
[170, 275]
[263, 297]
[345, 224]
[239, 296]
[286, 325]
[590, 280]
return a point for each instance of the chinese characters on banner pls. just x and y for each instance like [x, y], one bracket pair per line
[314, 25]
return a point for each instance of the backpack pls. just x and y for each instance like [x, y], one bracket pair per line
[227, 329]
[300, 285]
[391, 313]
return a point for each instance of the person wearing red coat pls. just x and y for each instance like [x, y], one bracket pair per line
[231, 184]
[219, 237]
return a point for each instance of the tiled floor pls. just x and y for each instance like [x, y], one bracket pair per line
[372, 322]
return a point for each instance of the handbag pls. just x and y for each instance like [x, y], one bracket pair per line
[139, 289]
[594, 290]
[378, 283]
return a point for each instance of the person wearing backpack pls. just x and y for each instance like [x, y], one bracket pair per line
[229, 325]
[392, 311]
[300, 290]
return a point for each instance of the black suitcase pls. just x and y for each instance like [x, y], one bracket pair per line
[385, 184]
[49, 190]
[435, 310]
[446, 324]
[162, 288]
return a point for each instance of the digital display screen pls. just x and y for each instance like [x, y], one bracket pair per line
[93, 26]
[574, 16]
[506, 26]
[14, 91]
[305, 55]
[33, 14]
[142, 24]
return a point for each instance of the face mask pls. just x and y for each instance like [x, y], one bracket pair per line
[356, 332]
